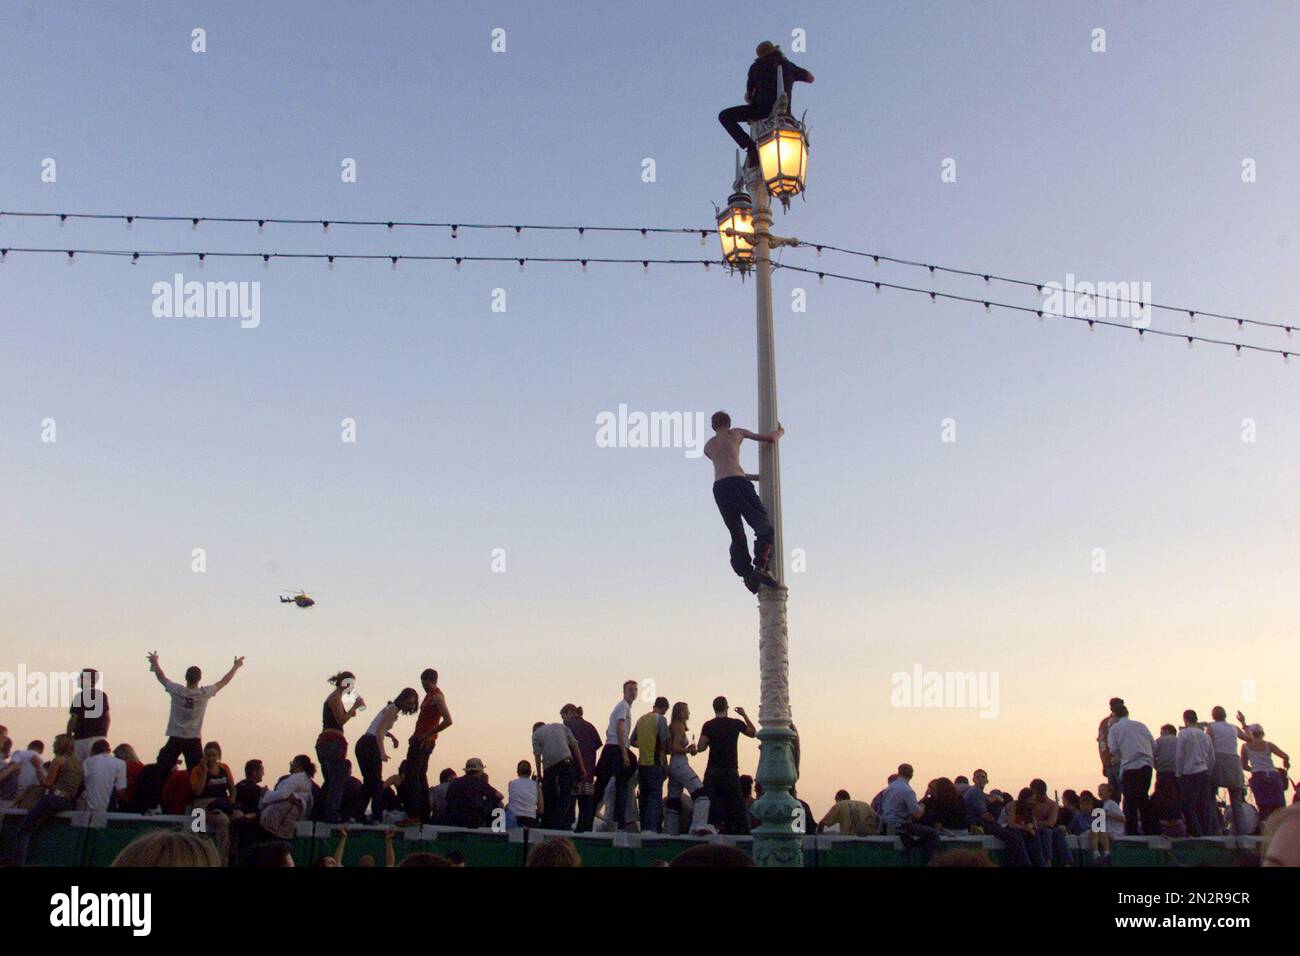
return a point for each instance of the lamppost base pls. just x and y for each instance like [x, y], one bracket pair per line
[778, 841]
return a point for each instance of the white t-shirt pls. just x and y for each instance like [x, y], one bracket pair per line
[523, 797]
[27, 775]
[188, 707]
[622, 711]
[1195, 751]
[1224, 736]
[104, 774]
[1114, 826]
[1131, 741]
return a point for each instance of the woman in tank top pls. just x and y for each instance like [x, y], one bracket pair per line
[680, 775]
[1265, 781]
[62, 782]
[213, 787]
[371, 753]
[332, 746]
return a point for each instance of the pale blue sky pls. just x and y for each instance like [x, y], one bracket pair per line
[476, 429]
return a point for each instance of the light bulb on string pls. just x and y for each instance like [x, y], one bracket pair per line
[325, 226]
[71, 257]
[521, 265]
[202, 256]
[63, 219]
[329, 263]
[645, 267]
[130, 221]
[584, 264]
[394, 258]
[266, 261]
[194, 225]
[261, 225]
[458, 263]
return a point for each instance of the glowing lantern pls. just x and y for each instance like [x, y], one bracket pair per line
[736, 231]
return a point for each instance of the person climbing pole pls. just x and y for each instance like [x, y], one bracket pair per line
[733, 490]
[761, 95]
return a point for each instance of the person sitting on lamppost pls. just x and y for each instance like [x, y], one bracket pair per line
[735, 496]
[761, 95]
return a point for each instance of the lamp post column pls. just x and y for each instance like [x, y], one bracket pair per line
[777, 841]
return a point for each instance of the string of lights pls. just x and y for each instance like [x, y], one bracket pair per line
[580, 230]
[330, 257]
[989, 305]
[390, 224]
[990, 277]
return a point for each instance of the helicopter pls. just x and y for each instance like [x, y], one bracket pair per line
[297, 596]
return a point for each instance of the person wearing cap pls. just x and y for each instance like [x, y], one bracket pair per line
[471, 800]
[761, 95]
[1265, 781]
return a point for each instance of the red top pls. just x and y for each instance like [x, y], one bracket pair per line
[429, 716]
[176, 792]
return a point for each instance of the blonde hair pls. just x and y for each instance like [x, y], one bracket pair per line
[168, 848]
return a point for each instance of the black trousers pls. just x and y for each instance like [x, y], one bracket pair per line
[733, 116]
[726, 804]
[610, 765]
[191, 747]
[372, 777]
[415, 781]
[557, 795]
[737, 499]
[1136, 786]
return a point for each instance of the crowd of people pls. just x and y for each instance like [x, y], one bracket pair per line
[581, 780]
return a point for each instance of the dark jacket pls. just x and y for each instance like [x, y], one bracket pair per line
[761, 85]
[470, 801]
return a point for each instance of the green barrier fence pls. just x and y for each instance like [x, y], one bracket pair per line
[95, 839]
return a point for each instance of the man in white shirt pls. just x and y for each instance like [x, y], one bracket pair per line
[25, 774]
[1194, 756]
[616, 760]
[1130, 740]
[105, 776]
[189, 703]
[1227, 770]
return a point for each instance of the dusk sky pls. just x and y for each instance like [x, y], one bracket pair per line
[476, 429]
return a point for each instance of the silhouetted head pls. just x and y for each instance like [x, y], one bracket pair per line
[720, 420]
[192, 676]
